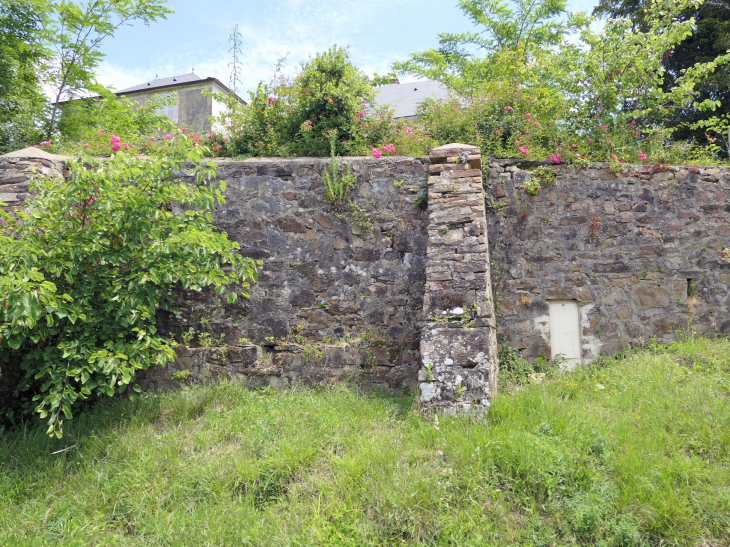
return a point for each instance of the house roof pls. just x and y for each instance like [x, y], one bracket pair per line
[405, 98]
[167, 83]
[163, 82]
[175, 81]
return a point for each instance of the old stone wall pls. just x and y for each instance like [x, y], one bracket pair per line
[383, 292]
[630, 250]
[16, 174]
[340, 293]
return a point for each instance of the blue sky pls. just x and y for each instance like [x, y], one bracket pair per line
[197, 35]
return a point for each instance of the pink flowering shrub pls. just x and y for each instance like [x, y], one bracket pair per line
[555, 158]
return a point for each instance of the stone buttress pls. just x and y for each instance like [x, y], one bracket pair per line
[458, 341]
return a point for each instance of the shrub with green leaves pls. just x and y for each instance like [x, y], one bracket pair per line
[287, 117]
[331, 92]
[84, 272]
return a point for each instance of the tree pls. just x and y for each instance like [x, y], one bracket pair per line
[83, 274]
[508, 36]
[21, 62]
[710, 39]
[76, 33]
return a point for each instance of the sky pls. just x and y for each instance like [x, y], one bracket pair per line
[197, 36]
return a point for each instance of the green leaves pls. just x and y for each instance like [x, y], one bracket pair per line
[511, 35]
[81, 280]
[76, 33]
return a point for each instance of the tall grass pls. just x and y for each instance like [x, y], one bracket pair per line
[633, 451]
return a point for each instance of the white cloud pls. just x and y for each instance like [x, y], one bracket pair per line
[299, 28]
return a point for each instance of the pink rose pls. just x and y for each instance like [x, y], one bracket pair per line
[361, 113]
[377, 153]
[184, 130]
[86, 145]
[272, 100]
[168, 137]
[555, 158]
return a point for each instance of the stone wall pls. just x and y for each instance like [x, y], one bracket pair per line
[340, 293]
[373, 289]
[16, 174]
[629, 250]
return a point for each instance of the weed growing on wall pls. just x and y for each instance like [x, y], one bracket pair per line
[84, 272]
[336, 185]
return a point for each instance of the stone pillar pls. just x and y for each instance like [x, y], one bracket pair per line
[458, 342]
[17, 169]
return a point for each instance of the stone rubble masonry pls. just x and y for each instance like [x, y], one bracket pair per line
[16, 174]
[352, 271]
[335, 272]
[626, 248]
[458, 341]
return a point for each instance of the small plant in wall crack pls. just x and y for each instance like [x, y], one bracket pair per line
[368, 364]
[336, 185]
[532, 186]
[525, 301]
[459, 391]
[429, 374]
[422, 196]
[206, 340]
[361, 218]
[187, 337]
[312, 353]
[545, 175]
[181, 376]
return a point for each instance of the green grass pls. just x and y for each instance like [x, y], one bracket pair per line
[634, 451]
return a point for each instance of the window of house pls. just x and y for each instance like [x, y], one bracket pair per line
[170, 111]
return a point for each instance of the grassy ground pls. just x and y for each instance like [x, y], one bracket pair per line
[635, 451]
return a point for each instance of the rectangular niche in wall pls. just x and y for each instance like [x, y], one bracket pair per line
[565, 331]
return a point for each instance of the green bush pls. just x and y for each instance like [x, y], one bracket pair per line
[83, 274]
[288, 117]
[330, 94]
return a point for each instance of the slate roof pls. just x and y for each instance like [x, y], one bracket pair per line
[405, 98]
[163, 82]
